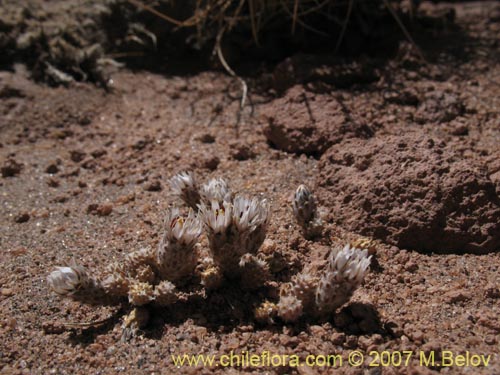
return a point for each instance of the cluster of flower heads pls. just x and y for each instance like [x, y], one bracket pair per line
[235, 228]
[144, 276]
[313, 292]
[321, 294]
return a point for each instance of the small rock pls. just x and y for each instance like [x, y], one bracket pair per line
[351, 342]
[18, 251]
[11, 168]
[104, 210]
[61, 198]
[232, 343]
[61, 134]
[98, 153]
[23, 217]
[411, 266]
[11, 323]
[417, 336]
[206, 138]
[431, 346]
[317, 331]
[111, 350]
[77, 156]
[89, 164]
[53, 183]
[459, 130]
[338, 338]
[7, 292]
[490, 339]
[211, 163]
[492, 291]
[364, 342]
[455, 296]
[154, 186]
[289, 341]
[119, 232]
[241, 151]
[100, 209]
[84, 120]
[141, 144]
[124, 199]
[52, 169]
[95, 348]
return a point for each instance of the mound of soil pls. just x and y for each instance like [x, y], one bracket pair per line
[308, 123]
[413, 192]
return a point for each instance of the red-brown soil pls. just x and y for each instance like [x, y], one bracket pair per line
[401, 150]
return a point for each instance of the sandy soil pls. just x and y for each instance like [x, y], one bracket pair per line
[85, 176]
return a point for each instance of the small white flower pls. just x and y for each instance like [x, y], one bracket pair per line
[182, 230]
[184, 185]
[66, 280]
[182, 181]
[217, 189]
[216, 217]
[249, 214]
[349, 264]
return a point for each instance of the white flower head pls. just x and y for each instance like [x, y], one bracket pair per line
[304, 206]
[347, 267]
[182, 181]
[184, 185]
[180, 229]
[217, 217]
[217, 189]
[250, 213]
[66, 280]
[349, 264]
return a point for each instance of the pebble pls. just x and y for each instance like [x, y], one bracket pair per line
[490, 340]
[211, 163]
[53, 183]
[154, 186]
[100, 209]
[241, 152]
[338, 338]
[23, 217]
[417, 336]
[492, 291]
[455, 296]
[11, 168]
[351, 342]
[77, 156]
[317, 331]
[52, 169]
[7, 292]
[206, 138]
